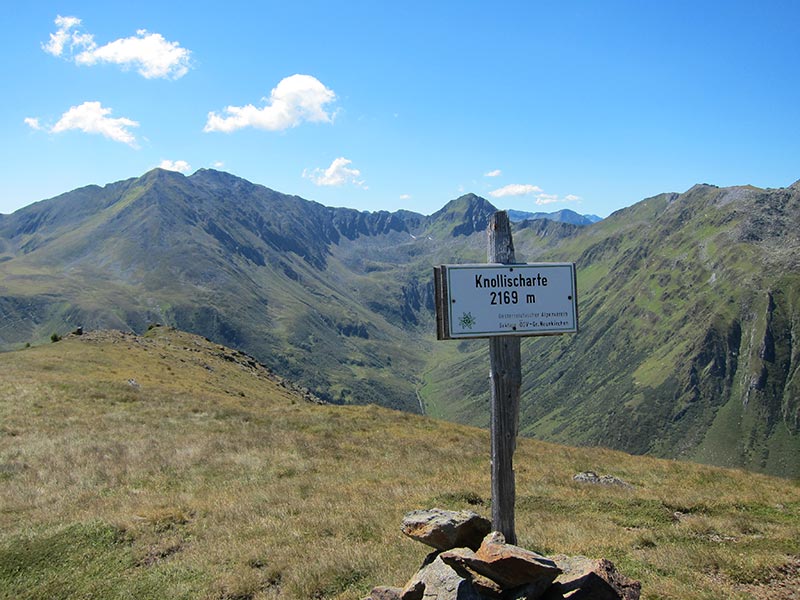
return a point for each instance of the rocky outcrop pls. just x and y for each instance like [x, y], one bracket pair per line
[492, 569]
[592, 477]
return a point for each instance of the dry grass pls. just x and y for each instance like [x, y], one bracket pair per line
[209, 479]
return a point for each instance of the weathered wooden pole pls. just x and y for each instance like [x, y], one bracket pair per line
[505, 372]
[490, 301]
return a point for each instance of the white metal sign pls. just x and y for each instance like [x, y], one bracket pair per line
[486, 300]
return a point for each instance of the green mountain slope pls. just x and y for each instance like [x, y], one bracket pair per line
[688, 304]
[688, 343]
[216, 255]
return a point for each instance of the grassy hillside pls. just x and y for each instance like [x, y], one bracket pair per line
[215, 255]
[689, 310]
[167, 466]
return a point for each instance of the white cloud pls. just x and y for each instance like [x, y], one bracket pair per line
[181, 166]
[60, 38]
[295, 99]
[526, 189]
[33, 123]
[495, 173]
[218, 164]
[92, 117]
[405, 196]
[546, 199]
[515, 189]
[553, 198]
[151, 54]
[337, 174]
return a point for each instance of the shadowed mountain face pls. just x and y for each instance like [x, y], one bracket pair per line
[219, 256]
[689, 303]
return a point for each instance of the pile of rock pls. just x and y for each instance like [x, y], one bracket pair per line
[592, 477]
[471, 562]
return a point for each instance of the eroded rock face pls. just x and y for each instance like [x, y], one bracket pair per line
[446, 529]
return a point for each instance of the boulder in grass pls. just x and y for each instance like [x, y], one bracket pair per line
[446, 529]
[594, 478]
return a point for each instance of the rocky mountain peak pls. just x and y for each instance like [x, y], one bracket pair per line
[469, 213]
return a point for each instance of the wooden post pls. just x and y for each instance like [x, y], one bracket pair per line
[505, 372]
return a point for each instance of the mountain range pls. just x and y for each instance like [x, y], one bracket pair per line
[689, 304]
[564, 216]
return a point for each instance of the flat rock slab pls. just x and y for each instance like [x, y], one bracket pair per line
[506, 564]
[591, 579]
[446, 529]
[461, 560]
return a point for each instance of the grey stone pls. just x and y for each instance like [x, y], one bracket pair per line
[446, 529]
[592, 477]
[441, 582]
[591, 579]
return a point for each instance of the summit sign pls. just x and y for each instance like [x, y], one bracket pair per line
[503, 301]
[486, 300]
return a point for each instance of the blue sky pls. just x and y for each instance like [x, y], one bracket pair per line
[591, 106]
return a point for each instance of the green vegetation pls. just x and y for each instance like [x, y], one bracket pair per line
[687, 346]
[689, 304]
[168, 466]
[218, 256]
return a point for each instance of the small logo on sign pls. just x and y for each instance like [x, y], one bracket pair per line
[467, 321]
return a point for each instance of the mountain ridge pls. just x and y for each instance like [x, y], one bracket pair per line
[564, 215]
[689, 303]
